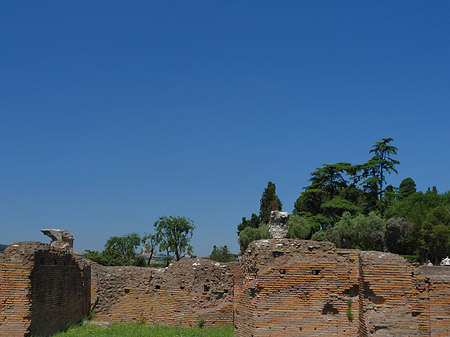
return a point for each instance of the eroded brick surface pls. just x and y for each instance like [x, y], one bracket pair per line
[183, 294]
[281, 288]
[42, 289]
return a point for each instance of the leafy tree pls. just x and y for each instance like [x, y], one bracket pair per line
[362, 232]
[222, 254]
[119, 251]
[250, 234]
[301, 227]
[269, 202]
[309, 202]
[150, 242]
[399, 236]
[436, 233]
[2, 248]
[407, 187]
[109, 257]
[125, 245]
[174, 234]
[253, 222]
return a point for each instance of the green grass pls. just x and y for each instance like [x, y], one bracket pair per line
[142, 330]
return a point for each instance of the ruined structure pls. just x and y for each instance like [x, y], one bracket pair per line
[280, 288]
[61, 238]
[42, 289]
[278, 226]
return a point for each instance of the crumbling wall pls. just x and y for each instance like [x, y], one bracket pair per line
[187, 292]
[298, 288]
[280, 288]
[432, 300]
[42, 289]
[389, 290]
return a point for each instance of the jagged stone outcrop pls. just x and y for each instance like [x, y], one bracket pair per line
[61, 238]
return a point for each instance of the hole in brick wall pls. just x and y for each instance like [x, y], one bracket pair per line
[328, 309]
[415, 314]
[282, 271]
[277, 254]
[205, 288]
[352, 291]
[182, 287]
[316, 272]
[157, 287]
[255, 291]
[225, 291]
[377, 299]
[367, 291]
[127, 291]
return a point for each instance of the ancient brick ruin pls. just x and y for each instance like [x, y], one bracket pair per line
[280, 288]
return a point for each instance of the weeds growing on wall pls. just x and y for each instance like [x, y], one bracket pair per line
[349, 310]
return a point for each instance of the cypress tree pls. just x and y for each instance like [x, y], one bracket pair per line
[269, 202]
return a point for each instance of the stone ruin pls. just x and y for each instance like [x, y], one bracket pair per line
[281, 287]
[278, 226]
[61, 238]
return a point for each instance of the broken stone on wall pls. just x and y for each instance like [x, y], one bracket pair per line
[278, 226]
[61, 238]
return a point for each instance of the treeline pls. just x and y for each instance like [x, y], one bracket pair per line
[2, 247]
[171, 235]
[353, 207]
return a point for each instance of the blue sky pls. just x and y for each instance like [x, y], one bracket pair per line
[114, 113]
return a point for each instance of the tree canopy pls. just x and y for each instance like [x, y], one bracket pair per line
[171, 235]
[354, 206]
[175, 233]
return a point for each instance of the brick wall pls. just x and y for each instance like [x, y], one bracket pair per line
[298, 288]
[42, 289]
[432, 300]
[388, 287]
[303, 288]
[280, 288]
[183, 294]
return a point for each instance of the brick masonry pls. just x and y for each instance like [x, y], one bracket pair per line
[42, 289]
[281, 288]
[189, 291]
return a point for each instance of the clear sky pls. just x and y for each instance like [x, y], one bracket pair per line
[114, 113]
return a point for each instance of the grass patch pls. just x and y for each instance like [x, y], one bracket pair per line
[140, 330]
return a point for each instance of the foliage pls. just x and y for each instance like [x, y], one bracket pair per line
[222, 254]
[406, 188]
[174, 234]
[250, 234]
[330, 178]
[363, 232]
[125, 246]
[349, 310]
[269, 202]
[355, 207]
[253, 222]
[382, 162]
[2, 248]
[436, 234]
[399, 236]
[139, 330]
[257, 227]
[119, 251]
[301, 227]
[149, 244]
